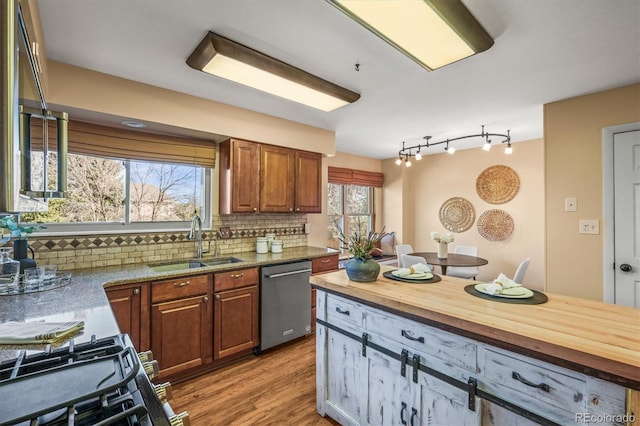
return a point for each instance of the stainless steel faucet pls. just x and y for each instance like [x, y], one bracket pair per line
[196, 234]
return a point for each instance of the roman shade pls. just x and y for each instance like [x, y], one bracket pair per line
[346, 176]
[110, 142]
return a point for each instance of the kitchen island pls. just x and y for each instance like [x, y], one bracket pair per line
[391, 352]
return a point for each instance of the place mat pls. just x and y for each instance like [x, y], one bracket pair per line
[495, 225]
[537, 298]
[389, 275]
[497, 184]
[457, 214]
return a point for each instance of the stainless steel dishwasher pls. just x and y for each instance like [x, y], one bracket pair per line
[285, 303]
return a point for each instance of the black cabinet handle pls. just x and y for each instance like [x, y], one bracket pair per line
[409, 335]
[340, 311]
[625, 267]
[402, 410]
[414, 414]
[543, 386]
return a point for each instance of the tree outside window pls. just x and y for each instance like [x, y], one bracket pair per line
[351, 208]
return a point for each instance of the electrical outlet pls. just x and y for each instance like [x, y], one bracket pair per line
[589, 227]
[225, 232]
[570, 205]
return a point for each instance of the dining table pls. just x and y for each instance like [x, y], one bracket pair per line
[452, 259]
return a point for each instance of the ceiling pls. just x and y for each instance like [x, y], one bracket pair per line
[544, 51]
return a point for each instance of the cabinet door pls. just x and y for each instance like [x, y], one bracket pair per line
[439, 403]
[389, 399]
[236, 321]
[181, 333]
[130, 306]
[308, 183]
[276, 179]
[338, 376]
[239, 176]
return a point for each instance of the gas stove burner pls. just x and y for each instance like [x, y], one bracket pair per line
[95, 383]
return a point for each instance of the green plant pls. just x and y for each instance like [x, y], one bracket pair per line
[359, 243]
[18, 230]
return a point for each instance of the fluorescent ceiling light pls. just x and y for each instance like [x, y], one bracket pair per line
[433, 33]
[232, 61]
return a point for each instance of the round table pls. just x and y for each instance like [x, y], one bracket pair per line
[453, 259]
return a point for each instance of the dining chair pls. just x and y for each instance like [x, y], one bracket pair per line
[522, 269]
[403, 249]
[408, 260]
[464, 271]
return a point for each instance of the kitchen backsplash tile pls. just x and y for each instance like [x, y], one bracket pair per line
[89, 251]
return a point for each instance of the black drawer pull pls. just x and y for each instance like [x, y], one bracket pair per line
[414, 414]
[340, 311]
[518, 377]
[402, 410]
[409, 335]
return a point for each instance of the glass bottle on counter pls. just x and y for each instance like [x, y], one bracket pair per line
[9, 270]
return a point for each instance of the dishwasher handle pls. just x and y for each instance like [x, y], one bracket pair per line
[284, 274]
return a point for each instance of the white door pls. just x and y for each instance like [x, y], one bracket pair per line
[626, 151]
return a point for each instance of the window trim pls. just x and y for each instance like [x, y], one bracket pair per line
[344, 215]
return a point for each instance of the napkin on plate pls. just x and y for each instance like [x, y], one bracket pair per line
[418, 268]
[500, 284]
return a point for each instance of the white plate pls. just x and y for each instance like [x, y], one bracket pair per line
[416, 276]
[509, 293]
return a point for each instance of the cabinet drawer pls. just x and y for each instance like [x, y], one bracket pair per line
[235, 279]
[343, 310]
[540, 388]
[179, 288]
[324, 264]
[427, 341]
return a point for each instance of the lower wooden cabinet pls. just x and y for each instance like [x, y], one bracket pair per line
[320, 265]
[130, 306]
[236, 310]
[181, 329]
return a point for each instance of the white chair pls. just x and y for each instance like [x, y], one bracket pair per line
[464, 271]
[408, 260]
[522, 269]
[403, 249]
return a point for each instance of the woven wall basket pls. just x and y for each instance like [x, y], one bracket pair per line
[457, 214]
[495, 225]
[497, 184]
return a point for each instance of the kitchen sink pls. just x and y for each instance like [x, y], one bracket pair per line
[193, 263]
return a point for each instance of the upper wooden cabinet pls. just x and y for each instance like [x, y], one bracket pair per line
[290, 180]
[239, 177]
[266, 178]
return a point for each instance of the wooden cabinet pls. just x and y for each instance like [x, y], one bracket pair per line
[236, 310]
[181, 323]
[267, 178]
[320, 265]
[277, 179]
[239, 176]
[130, 306]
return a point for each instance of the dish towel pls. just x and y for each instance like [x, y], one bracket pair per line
[501, 283]
[25, 333]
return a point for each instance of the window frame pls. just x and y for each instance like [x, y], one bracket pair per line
[344, 221]
[126, 226]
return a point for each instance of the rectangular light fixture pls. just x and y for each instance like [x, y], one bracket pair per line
[225, 58]
[433, 33]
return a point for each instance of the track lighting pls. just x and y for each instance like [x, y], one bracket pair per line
[407, 151]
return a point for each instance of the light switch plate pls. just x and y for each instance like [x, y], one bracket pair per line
[570, 204]
[589, 227]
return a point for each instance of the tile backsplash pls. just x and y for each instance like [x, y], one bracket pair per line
[91, 251]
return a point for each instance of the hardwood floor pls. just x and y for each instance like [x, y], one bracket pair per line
[276, 388]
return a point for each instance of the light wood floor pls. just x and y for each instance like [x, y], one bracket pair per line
[276, 388]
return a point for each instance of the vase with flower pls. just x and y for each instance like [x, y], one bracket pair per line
[361, 268]
[19, 232]
[443, 243]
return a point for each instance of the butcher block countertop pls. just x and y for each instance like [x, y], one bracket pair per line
[590, 337]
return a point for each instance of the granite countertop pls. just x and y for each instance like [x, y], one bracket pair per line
[84, 299]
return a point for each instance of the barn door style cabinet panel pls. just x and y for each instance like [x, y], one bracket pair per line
[375, 367]
[266, 178]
